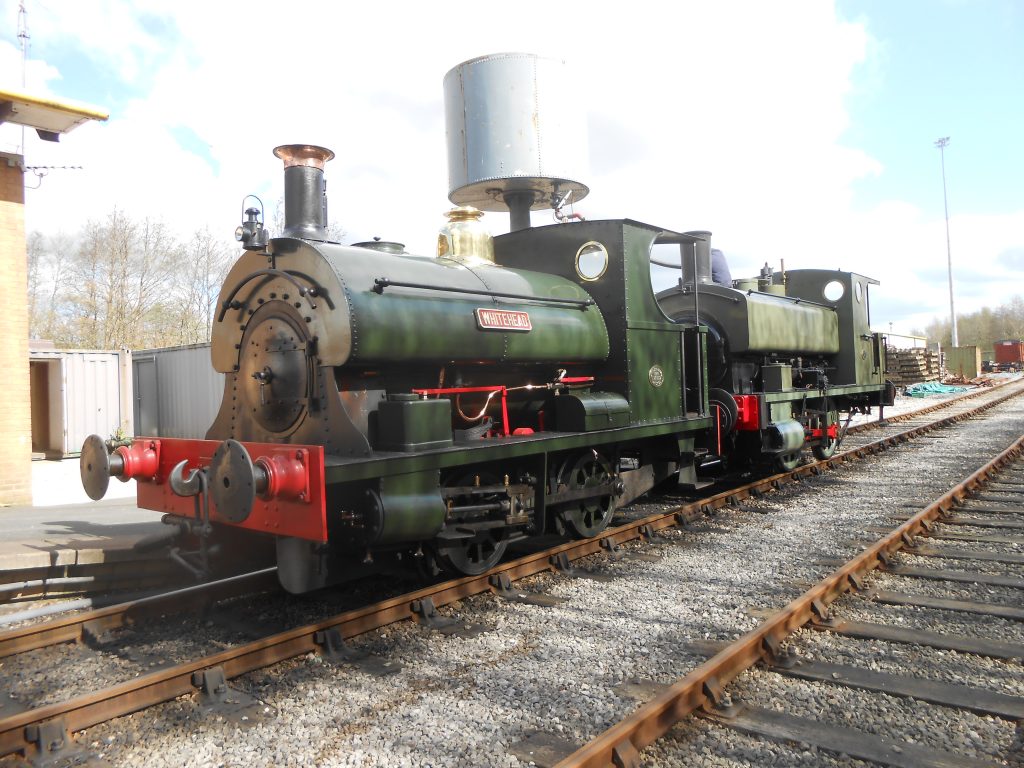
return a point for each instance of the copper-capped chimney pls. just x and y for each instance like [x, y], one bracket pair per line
[305, 190]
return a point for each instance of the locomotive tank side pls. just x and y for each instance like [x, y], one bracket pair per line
[761, 322]
[370, 307]
[294, 320]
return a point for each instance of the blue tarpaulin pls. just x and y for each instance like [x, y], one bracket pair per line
[932, 388]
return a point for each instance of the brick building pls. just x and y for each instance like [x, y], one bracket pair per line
[50, 119]
[15, 416]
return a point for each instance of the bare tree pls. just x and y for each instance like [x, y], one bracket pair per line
[36, 258]
[983, 327]
[119, 281]
[206, 263]
[122, 282]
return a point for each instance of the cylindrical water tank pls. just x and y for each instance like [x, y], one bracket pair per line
[514, 128]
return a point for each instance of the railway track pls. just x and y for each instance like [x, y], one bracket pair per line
[78, 577]
[991, 498]
[29, 731]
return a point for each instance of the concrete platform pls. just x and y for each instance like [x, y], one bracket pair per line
[65, 528]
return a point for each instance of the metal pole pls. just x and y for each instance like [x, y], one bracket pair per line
[23, 37]
[519, 204]
[942, 144]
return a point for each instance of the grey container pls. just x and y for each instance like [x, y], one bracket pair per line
[513, 125]
[76, 393]
[177, 391]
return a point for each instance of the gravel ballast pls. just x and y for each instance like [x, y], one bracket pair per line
[467, 701]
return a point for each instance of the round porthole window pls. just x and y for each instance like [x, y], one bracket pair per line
[858, 291]
[833, 291]
[591, 260]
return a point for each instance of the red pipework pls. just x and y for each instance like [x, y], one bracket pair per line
[505, 428]
[287, 477]
[141, 459]
[748, 418]
[470, 390]
[718, 428]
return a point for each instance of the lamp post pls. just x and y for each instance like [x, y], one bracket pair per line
[942, 144]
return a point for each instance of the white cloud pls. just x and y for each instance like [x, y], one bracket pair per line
[724, 116]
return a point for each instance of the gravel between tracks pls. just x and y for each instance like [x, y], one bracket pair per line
[464, 702]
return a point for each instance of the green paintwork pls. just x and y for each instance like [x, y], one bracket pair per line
[858, 362]
[412, 507]
[836, 391]
[654, 354]
[412, 324]
[590, 411]
[761, 322]
[406, 423]
[357, 325]
[777, 377]
[640, 335]
[339, 470]
[661, 351]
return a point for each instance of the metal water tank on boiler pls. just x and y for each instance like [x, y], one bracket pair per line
[517, 139]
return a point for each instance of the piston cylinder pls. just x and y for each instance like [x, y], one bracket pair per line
[784, 437]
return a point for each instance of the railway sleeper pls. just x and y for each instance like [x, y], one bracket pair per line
[835, 739]
[334, 650]
[425, 613]
[978, 700]
[53, 745]
[501, 585]
[217, 697]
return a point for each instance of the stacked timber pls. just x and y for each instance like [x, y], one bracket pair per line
[911, 366]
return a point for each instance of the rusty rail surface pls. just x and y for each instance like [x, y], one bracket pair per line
[87, 710]
[73, 628]
[620, 745]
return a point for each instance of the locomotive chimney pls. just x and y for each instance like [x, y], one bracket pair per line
[305, 190]
[697, 260]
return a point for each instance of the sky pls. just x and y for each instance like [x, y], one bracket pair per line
[800, 130]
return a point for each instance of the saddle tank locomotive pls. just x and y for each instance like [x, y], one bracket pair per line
[380, 405]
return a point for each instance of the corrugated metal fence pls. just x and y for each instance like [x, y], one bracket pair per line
[177, 391]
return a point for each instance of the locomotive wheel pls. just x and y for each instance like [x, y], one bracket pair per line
[476, 555]
[827, 448]
[729, 413]
[786, 462]
[472, 556]
[586, 517]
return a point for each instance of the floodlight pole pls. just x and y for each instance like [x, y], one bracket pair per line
[942, 144]
[23, 37]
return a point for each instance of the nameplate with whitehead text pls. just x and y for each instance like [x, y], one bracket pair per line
[503, 320]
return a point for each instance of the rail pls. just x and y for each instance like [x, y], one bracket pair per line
[81, 712]
[620, 745]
